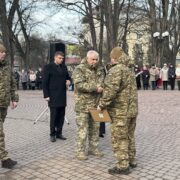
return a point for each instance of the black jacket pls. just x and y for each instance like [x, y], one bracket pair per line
[54, 84]
[39, 76]
[145, 76]
[171, 73]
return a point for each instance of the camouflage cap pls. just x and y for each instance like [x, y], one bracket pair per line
[116, 53]
[2, 48]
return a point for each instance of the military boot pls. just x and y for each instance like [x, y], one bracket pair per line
[96, 153]
[133, 164]
[116, 170]
[8, 163]
[81, 156]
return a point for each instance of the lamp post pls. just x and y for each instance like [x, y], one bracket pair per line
[160, 40]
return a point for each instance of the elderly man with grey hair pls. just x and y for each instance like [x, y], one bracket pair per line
[88, 80]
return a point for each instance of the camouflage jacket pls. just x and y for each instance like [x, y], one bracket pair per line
[86, 80]
[7, 85]
[133, 104]
[118, 95]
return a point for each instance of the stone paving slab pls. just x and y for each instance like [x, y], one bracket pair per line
[157, 140]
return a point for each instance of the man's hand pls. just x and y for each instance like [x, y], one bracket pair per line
[99, 89]
[47, 99]
[98, 108]
[68, 82]
[13, 105]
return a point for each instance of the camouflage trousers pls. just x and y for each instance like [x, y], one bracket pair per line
[123, 141]
[3, 152]
[86, 127]
[131, 134]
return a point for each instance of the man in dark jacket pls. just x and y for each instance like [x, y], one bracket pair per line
[39, 77]
[172, 76]
[55, 81]
[7, 94]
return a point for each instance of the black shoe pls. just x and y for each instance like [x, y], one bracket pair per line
[101, 135]
[8, 163]
[133, 165]
[53, 139]
[61, 137]
[116, 170]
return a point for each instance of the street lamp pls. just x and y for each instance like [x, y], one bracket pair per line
[159, 39]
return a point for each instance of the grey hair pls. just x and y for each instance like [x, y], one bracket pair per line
[92, 52]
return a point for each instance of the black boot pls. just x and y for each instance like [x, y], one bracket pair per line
[116, 170]
[8, 163]
[133, 165]
[61, 137]
[53, 139]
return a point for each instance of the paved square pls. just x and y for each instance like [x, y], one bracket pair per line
[157, 141]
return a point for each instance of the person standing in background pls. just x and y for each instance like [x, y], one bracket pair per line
[178, 76]
[172, 76]
[39, 76]
[153, 73]
[16, 77]
[164, 76]
[145, 78]
[24, 79]
[138, 76]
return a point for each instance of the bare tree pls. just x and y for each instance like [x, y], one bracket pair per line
[6, 24]
[16, 26]
[164, 17]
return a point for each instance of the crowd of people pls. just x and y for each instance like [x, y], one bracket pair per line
[155, 77]
[29, 79]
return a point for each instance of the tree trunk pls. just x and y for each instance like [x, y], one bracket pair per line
[5, 30]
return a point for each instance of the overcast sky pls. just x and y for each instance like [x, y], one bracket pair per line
[62, 24]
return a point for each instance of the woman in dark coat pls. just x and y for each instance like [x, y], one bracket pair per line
[145, 78]
[172, 76]
[55, 81]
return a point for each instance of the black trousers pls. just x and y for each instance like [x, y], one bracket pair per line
[172, 83]
[24, 85]
[56, 120]
[102, 128]
[165, 85]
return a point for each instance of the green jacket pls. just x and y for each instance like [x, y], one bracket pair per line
[86, 80]
[7, 85]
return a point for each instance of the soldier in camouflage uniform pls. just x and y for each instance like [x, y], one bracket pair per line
[88, 80]
[117, 98]
[7, 94]
[132, 115]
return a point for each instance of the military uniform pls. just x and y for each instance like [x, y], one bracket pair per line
[86, 78]
[132, 115]
[118, 100]
[7, 94]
